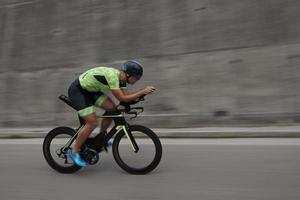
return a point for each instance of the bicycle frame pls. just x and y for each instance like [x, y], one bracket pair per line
[120, 125]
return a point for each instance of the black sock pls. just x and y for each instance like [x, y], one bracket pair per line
[99, 140]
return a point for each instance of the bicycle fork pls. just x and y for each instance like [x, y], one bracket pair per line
[129, 135]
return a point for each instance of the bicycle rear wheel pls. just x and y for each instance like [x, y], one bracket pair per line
[52, 146]
[143, 161]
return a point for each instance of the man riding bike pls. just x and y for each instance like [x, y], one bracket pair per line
[88, 90]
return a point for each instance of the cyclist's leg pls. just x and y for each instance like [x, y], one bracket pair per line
[83, 102]
[107, 104]
[90, 124]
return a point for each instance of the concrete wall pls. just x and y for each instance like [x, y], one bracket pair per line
[212, 61]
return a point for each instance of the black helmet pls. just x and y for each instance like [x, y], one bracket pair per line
[133, 68]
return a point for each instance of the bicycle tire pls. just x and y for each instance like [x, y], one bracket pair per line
[158, 151]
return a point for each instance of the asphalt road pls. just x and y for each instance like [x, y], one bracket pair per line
[193, 169]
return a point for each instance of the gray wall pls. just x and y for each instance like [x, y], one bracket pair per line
[214, 62]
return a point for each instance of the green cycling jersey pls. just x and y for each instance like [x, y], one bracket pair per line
[101, 79]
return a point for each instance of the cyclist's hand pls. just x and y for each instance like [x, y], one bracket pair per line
[148, 90]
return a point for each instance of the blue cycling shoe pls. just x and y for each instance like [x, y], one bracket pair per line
[109, 143]
[76, 158]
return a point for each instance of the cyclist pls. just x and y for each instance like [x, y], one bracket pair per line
[87, 91]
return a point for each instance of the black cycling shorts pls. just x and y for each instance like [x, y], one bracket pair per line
[83, 100]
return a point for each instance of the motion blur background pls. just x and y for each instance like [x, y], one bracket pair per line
[213, 62]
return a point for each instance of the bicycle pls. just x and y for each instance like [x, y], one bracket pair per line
[140, 140]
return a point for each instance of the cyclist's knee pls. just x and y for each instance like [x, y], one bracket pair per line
[91, 121]
[92, 125]
[109, 105]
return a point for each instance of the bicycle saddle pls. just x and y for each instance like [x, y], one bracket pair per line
[66, 99]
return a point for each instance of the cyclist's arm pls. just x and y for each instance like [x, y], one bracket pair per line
[118, 93]
[125, 91]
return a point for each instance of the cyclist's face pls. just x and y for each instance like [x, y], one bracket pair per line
[132, 80]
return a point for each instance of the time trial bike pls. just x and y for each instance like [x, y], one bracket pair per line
[136, 149]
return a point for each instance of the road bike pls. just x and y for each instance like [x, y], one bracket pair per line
[136, 149]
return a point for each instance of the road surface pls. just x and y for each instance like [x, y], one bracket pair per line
[192, 169]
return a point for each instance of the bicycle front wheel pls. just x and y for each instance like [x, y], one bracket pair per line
[143, 161]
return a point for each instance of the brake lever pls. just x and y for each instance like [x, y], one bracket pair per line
[133, 113]
[139, 108]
